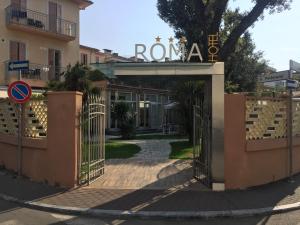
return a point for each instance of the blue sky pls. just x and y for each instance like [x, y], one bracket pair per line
[117, 25]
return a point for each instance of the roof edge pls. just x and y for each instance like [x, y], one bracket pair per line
[83, 4]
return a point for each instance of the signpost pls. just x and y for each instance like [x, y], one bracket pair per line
[288, 77]
[19, 92]
[291, 84]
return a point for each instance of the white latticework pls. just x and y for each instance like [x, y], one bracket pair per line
[8, 117]
[34, 115]
[36, 119]
[266, 118]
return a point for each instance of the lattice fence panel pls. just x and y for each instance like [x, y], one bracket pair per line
[266, 118]
[36, 119]
[296, 117]
[35, 116]
[8, 117]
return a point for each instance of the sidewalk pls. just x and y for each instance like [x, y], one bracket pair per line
[176, 199]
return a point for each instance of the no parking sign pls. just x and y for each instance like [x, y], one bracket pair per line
[19, 92]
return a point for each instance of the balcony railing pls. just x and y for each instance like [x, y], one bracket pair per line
[40, 22]
[37, 72]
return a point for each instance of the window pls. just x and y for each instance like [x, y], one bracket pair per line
[97, 59]
[17, 50]
[151, 98]
[55, 13]
[124, 96]
[83, 59]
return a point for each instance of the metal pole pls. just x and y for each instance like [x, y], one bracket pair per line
[89, 141]
[20, 128]
[290, 128]
[194, 140]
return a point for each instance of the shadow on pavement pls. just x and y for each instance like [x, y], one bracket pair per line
[176, 198]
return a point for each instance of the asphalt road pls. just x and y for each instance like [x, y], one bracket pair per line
[12, 214]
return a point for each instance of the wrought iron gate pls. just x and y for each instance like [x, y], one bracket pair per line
[92, 152]
[202, 141]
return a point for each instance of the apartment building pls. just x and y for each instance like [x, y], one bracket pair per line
[89, 55]
[45, 32]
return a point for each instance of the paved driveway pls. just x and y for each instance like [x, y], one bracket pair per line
[151, 168]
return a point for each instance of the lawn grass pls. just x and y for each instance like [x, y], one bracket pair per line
[120, 150]
[181, 150]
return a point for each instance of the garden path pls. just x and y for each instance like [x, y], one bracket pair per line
[151, 168]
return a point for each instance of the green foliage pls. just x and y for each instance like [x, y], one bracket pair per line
[231, 87]
[125, 118]
[36, 96]
[244, 64]
[96, 75]
[78, 78]
[196, 19]
[186, 94]
[128, 128]
[120, 111]
[120, 150]
[181, 150]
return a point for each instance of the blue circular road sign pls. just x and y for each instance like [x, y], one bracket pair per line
[19, 92]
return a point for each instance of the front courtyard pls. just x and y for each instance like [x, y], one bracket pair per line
[152, 167]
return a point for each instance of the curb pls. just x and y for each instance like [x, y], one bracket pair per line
[127, 214]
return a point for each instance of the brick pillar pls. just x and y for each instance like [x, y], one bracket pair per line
[63, 137]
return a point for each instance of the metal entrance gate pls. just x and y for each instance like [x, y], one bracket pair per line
[202, 141]
[92, 152]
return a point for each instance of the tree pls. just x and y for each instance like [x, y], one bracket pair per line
[186, 93]
[126, 119]
[244, 64]
[196, 19]
[78, 78]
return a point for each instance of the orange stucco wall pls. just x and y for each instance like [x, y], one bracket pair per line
[252, 163]
[52, 159]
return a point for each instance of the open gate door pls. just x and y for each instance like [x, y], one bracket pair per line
[92, 152]
[202, 142]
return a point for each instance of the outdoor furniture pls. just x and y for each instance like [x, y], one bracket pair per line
[32, 74]
[35, 23]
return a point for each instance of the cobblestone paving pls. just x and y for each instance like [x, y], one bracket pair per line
[149, 169]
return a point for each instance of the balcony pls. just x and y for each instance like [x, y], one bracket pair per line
[37, 75]
[39, 23]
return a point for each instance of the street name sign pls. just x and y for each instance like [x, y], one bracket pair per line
[292, 84]
[295, 66]
[18, 65]
[19, 92]
[282, 75]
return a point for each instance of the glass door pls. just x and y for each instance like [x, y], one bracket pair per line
[54, 61]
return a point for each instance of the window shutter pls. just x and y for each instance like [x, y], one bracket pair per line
[81, 58]
[13, 50]
[22, 51]
[16, 3]
[23, 4]
[59, 11]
